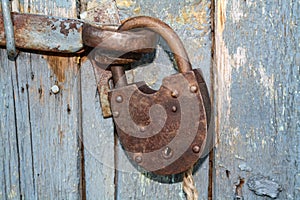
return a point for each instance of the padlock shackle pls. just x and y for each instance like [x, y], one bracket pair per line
[166, 32]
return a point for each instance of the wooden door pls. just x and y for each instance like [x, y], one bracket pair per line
[58, 146]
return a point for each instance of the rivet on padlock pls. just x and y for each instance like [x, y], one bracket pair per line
[163, 131]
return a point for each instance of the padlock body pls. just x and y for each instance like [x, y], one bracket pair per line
[163, 131]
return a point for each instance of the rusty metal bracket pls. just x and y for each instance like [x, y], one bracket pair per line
[9, 30]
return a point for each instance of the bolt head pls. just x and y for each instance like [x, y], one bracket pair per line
[116, 114]
[196, 149]
[55, 89]
[167, 153]
[175, 93]
[174, 108]
[193, 88]
[119, 99]
[142, 128]
[138, 159]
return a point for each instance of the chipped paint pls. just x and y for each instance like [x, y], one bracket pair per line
[239, 157]
[266, 81]
[12, 193]
[99, 13]
[144, 180]
[237, 12]
[137, 10]
[245, 167]
[124, 3]
[196, 16]
[264, 186]
[263, 143]
[239, 58]
[93, 4]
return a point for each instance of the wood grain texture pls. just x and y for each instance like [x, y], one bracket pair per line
[97, 132]
[98, 140]
[256, 80]
[43, 134]
[191, 21]
[9, 154]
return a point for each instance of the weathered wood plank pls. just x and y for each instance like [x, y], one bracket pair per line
[9, 152]
[49, 125]
[97, 133]
[46, 125]
[191, 20]
[98, 140]
[256, 80]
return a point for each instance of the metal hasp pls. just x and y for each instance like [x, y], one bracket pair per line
[162, 131]
[70, 36]
[9, 30]
[113, 50]
[45, 33]
[118, 48]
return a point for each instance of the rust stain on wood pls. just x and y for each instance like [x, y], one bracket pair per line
[239, 189]
[61, 136]
[58, 65]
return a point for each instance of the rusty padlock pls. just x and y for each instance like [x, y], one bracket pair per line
[162, 131]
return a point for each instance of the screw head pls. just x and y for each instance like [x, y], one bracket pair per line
[55, 89]
[175, 93]
[142, 128]
[116, 114]
[167, 153]
[196, 149]
[193, 88]
[138, 159]
[119, 99]
[174, 108]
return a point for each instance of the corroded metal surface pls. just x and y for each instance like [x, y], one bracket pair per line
[204, 94]
[45, 33]
[103, 76]
[166, 32]
[165, 131]
[125, 41]
[62, 35]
